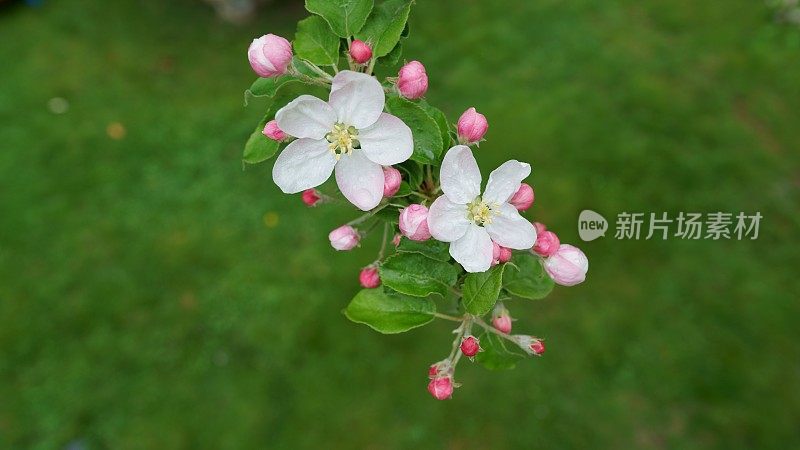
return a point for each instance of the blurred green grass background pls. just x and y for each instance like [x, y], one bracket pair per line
[153, 295]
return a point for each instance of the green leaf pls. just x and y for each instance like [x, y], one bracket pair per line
[389, 214]
[259, 148]
[427, 137]
[303, 67]
[414, 172]
[441, 121]
[393, 57]
[498, 353]
[389, 313]
[481, 290]
[314, 42]
[431, 248]
[528, 278]
[404, 191]
[385, 25]
[267, 87]
[345, 17]
[417, 275]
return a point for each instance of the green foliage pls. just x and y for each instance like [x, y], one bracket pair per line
[417, 275]
[431, 248]
[427, 135]
[315, 42]
[389, 312]
[259, 148]
[267, 87]
[345, 17]
[526, 277]
[393, 57]
[413, 172]
[441, 121]
[385, 26]
[481, 290]
[498, 353]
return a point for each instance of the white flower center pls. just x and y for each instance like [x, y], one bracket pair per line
[480, 212]
[342, 140]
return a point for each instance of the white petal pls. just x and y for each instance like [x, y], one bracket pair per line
[447, 221]
[346, 76]
[505, 180]
[303, 164]
[306, 117]
[511, 230]
[360, 180]
[460, 176]
[358, 103]
[474, 250]
[388, 141]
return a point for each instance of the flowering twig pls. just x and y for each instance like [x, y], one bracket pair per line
[454, 234]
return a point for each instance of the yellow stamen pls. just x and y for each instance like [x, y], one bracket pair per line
[480, 212]
[342, 140]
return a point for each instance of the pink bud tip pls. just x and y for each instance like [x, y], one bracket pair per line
[537, 347]
[396, 239]
[272, 131]
[540, 228]
[441, 388]
[433, 370]
[369, 278]
[500, 254]
[568, 266]
[547, 244]
[412, 81]
[470, 346]
[270, 55]
[391, 181]
[523, 198]
[360, 51]
[501, 320]
[472, 125]
[414, 222]
[311, 197]
[344, 238]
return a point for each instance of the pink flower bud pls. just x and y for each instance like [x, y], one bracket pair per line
[547, 244]
[470, 346]
[414, 222]
[369, 278]
[396, 239]
[391, 181]
[272, 131]
[360, 51]
[344, 238]
[502, 323]
[472, 125]
[540, 228]
[310, 197]
[568, 266]
[270, 55]
[523, 198]
[530, 344]
[439, 369]
[441, 388]
[500, 254]
[412, 81]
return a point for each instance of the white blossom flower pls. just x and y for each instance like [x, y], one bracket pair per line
[349, 132]
[469, 221]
